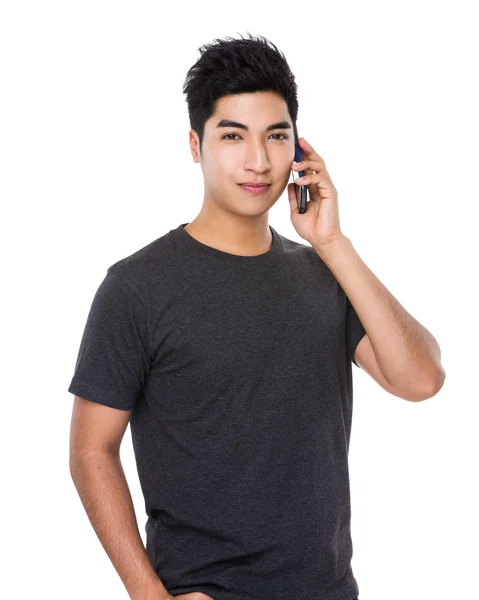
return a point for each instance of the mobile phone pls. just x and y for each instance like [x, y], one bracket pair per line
[301, 190]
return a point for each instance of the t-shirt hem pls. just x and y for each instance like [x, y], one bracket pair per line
[356, 336]
[348, 592]
[100, 396]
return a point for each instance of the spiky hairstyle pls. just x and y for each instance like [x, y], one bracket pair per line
[234, 66]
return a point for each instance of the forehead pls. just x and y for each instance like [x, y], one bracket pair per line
[256, 110]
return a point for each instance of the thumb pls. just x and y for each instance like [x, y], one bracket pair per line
[293, 203]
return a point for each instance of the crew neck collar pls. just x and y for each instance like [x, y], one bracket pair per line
[208, 251]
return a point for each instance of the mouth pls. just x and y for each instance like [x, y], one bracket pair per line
[254, 189]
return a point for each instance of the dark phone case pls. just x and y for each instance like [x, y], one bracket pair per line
[298, 157]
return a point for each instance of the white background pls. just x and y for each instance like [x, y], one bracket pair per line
[95, 164]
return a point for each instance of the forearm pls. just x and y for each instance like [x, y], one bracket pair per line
[405, 350]
[101, 484]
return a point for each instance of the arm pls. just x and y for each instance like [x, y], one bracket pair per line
[99, 478]
[407, 354]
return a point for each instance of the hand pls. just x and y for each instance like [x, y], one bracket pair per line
[319, 225]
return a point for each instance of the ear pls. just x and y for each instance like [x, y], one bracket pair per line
[194, 145]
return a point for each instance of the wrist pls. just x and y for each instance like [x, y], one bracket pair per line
[329, 249]
[155, 591]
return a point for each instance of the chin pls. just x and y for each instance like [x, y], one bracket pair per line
[248, 209]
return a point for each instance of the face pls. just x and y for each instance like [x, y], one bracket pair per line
[232, 155]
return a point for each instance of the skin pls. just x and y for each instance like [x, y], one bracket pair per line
[230, 219]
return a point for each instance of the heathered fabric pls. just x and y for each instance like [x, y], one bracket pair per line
[238, 373]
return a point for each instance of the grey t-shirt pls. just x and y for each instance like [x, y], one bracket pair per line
[238, 370]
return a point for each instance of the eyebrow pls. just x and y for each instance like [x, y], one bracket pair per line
[229, 123]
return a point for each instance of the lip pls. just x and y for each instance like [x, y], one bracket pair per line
[251, 183]
[255, 189]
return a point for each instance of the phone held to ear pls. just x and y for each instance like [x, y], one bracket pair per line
[301, 191]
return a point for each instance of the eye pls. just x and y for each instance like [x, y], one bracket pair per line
[285, 137]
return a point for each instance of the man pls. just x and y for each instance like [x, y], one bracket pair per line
[229, 349]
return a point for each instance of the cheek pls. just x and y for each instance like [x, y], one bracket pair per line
[225, 169]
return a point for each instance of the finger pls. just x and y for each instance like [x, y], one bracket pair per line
[309, 150]
[310, 166]
[314, 167]
[309, 178]
[318, 178]
[293, 203]
[314, 159]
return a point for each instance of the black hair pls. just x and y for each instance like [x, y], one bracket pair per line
[234, 66]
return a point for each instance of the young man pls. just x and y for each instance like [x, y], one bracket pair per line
[229, 349]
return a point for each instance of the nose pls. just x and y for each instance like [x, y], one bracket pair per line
[256, 158]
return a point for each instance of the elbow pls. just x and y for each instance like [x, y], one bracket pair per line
[434, 386]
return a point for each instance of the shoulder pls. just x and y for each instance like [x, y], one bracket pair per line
[139, 269]
[303, 251]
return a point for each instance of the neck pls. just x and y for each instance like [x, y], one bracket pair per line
[245, 236]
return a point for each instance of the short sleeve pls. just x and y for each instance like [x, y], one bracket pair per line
[113, 359]
[355, 330]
